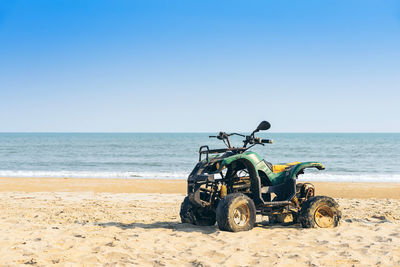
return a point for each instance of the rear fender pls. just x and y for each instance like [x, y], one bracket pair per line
[299, 168]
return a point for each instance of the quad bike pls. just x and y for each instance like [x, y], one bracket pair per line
[232, 185]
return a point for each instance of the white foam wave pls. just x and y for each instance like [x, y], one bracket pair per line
[323, 177]
[91, 174]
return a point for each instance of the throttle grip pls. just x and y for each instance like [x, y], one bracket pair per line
[267, 141]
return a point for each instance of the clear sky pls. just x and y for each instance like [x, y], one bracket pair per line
[128, 66]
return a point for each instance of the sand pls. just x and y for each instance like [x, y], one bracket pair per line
[123, 226]
[344, 190]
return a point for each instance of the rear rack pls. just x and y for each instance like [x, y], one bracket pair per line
[206, 150]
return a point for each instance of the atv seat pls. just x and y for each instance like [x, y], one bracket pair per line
[278, 173]
[282, 167]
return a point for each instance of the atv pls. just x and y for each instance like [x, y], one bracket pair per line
[232, 185]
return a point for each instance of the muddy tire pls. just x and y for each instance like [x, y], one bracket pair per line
[321, 212]
[195, 215]
[236, 212]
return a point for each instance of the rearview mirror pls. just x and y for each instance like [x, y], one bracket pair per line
[263, 126]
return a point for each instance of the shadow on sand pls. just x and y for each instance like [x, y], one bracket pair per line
[173, 225]
[184, 227]
[278, 225]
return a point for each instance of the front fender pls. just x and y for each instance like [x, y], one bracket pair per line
[250, 160]
[252, 157]
[299, 168]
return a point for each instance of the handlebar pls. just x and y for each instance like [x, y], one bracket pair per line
[250, 139]
[223, 135]
[220, 136]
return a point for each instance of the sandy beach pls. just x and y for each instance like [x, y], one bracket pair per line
[111, 222]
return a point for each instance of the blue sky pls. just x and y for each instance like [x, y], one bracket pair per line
[127, 66]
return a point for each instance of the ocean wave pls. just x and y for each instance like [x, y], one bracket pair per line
[94, 174]
[317, 177]
[324, 177]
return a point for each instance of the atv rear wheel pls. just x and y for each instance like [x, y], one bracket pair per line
[236, 212]
[196, 215]
[320, 211]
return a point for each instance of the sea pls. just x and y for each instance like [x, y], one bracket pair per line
[348, 157]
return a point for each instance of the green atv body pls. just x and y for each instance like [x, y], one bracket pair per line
[263, 168]
[232, 185]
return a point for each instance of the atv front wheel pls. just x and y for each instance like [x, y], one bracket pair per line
[236, 212]
[196, 215]
[320, 211]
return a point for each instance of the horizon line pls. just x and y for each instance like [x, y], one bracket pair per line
[126, 132]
